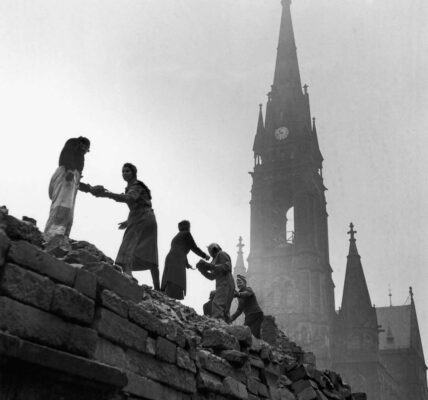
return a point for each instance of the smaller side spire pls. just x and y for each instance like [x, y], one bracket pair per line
[352, 241]
[258, 140]
[240, 265]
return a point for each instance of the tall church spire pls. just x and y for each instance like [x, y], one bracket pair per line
[287, 76]
[258, 140]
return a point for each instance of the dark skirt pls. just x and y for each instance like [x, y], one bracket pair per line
[174, 291]
[139, 248]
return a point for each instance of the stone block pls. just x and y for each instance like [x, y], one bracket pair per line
[27, 255]
[253, 397]
[184, 361]
[307, 394]
[151, 346]
[257, 362]
[297, 373]
[111, 354]
[359, 396]
[149, 389]
[219, 340]
[234, 388]
[41, 327]
[266, 353]
[169, 374]
[166, 350]
[120, 330]
[113, 302]
[69, 303]
[263, 390]
[285, 394]
[234, 357]
[45, 357]
[242, 333]
[4, 247]
[145, 319]
[109, 278]
[86, 283]
[20, 230]
[213, 363]
[302, 384]
[208, 382]
[253, 385]
[27, 286]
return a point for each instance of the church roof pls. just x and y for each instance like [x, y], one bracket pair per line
[396, 319]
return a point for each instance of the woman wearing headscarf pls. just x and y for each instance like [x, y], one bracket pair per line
[247, 304]
[139, 248]
[174, 274]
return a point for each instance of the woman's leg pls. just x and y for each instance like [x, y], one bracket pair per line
[155, 277]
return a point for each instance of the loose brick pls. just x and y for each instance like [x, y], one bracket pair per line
[184, 361]
[234, 357]
[175, 333]
[86, 283]
[213, 363]
[114, 303]
[109, 278]
[307, 394]
[169, 374]
[242, 333]
[120, 330]
[27, 255]
[148, 321]
[165, 350]
[218, 339]
[69, 303]
[234, 388]
[39, 326]
[27, 286]
[285, 394]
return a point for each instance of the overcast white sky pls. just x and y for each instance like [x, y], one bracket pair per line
[174, 86]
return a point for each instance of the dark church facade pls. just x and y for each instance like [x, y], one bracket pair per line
[377, 350]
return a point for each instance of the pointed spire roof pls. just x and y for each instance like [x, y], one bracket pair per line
[239, 265]
[315, 141]
[357, 309]
[258, 140]
[287, 83]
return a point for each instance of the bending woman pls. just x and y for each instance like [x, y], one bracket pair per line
[174, 274]
[139, 248]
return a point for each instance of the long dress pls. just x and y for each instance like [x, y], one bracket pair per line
[139, 248]
[174, 274]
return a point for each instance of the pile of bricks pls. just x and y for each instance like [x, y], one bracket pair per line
[83, 330]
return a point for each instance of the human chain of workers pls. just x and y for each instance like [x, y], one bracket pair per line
[139, 250]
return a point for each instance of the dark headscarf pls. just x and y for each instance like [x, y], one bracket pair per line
[184, 225]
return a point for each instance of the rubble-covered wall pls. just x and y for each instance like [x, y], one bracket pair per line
[82, 330]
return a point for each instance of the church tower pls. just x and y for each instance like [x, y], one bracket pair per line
[289, 264]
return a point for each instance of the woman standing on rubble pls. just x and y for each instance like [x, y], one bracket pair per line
[174, 274]
[139, 248]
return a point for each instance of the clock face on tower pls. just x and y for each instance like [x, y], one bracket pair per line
[281, 133]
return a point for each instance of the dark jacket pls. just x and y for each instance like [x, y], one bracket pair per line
[176, 260]
[247, 303]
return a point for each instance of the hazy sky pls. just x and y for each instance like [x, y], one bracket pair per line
[174, 86]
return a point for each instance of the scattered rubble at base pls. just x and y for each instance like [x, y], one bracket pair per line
[72, 326]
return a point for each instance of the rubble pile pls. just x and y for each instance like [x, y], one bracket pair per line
[72, 326]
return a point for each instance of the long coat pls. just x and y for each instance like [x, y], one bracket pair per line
[176, 260]
[139, 248]
[220, 270]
